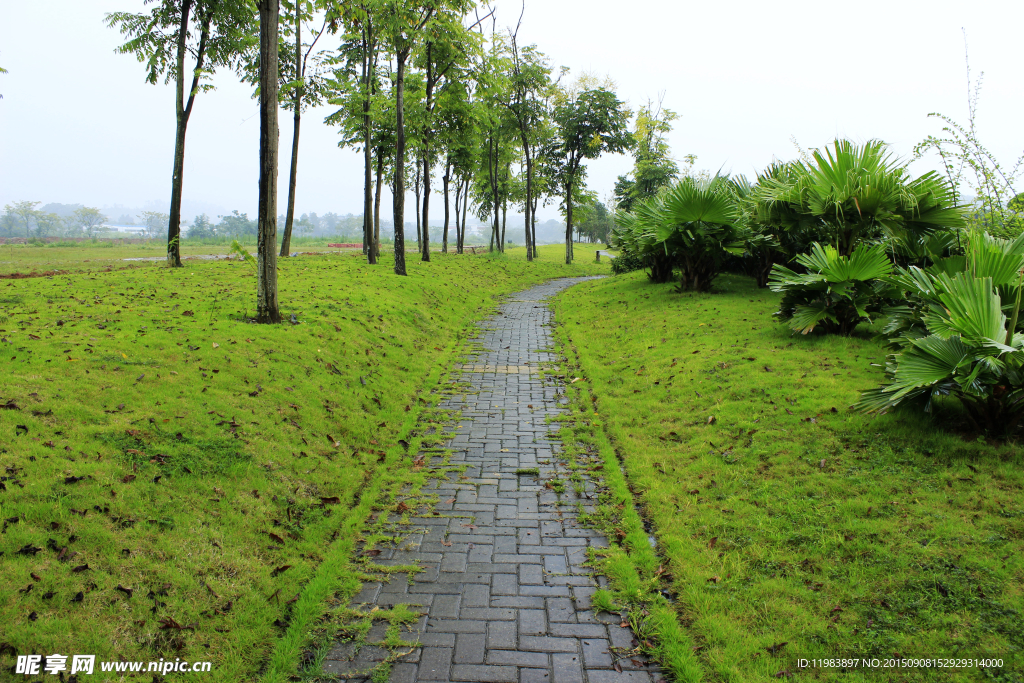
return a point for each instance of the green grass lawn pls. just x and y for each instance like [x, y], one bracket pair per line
[102, 254]
[790, 526]
[178, 482]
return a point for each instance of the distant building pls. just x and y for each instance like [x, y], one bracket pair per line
[130, 229]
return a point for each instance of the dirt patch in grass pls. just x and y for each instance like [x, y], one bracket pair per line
[22, 276]
[792, 527]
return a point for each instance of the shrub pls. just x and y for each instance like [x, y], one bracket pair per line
[956, 339]
[692, 226]
[836, 293]
[627, 261]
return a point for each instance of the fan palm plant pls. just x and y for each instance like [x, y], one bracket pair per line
[692, 226]
[699, 223]
[852, 193]
[958, 336]
[836, 293]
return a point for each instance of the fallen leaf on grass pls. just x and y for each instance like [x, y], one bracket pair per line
[168, 623]
[280, 570]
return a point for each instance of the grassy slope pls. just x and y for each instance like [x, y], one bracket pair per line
[783, 520]
[219, 460]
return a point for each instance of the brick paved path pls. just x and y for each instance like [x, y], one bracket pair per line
[505, 590]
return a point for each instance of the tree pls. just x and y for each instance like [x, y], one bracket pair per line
[447, 46]
[155, 222]
[266, 240]
[24, 213]
[88, 219]
[530, 81]
[202, 228]
[361, 20]
[215, 33]
[591, 120]
[403, 22]
[653, 167]
[302, 81]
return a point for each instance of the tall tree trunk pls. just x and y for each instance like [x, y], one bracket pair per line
[399, 195]
[376, 204]
[419, 229]
[447, 173]
[527, 205]
[426, 156]
[367, 154]
[182, 113]
[533, 226]
[492, 170]
[465, 213]
[266, 261]
[504, 219]
[286, 240]
[458, 216]
[568, 220]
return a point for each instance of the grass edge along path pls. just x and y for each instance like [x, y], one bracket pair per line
[793, 527]
[330, 575]
[631, 564]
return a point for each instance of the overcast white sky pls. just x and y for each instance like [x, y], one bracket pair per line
[79, 124]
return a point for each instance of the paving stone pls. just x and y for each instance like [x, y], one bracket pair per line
[505, 587]
[435, 663]
[596, 653]
[548, 644]
[599, 676]
[469, 648]
[566, 668]
[485, 673]
[534, 676]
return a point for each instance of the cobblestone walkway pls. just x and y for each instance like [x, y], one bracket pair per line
[506, 592]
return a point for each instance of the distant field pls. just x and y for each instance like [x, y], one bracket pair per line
[26, 258]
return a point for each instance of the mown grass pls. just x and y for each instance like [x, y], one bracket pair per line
[790, 526]
[175, 478]
[106, 254]
[102, 254]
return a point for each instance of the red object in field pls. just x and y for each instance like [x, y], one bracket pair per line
[354, 245]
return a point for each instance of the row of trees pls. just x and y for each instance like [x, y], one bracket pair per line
[23, 219]
[421, 88]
